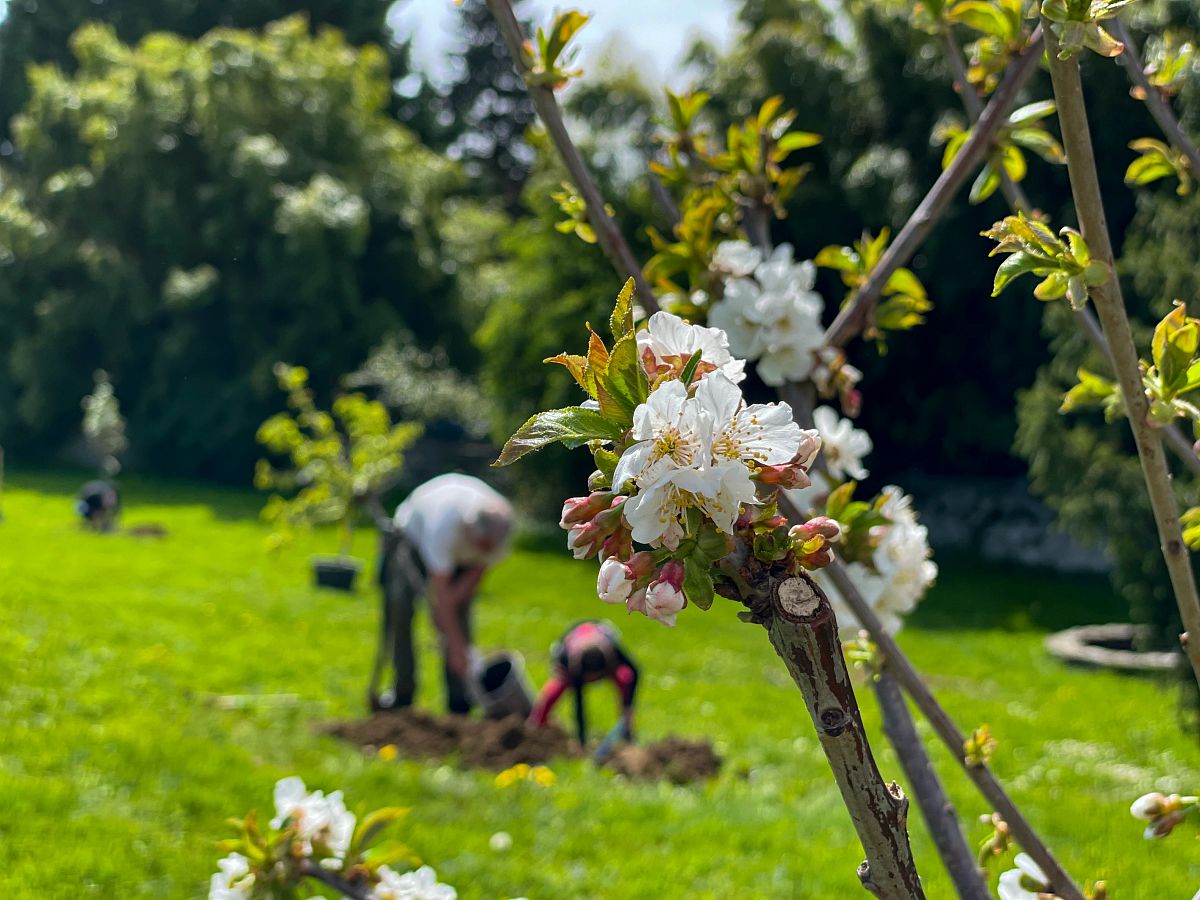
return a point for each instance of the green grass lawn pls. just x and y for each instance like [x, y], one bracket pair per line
[117, 772]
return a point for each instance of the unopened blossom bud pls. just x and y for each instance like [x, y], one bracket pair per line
[618, 544]
[578, 510]
[851, 402]
[1151, 806]
[1164, 825]
[585, 540]
[617, 579]
[787, 476]
[664, 595]
[824, 526]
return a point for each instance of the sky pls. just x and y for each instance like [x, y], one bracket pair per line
[650, 34]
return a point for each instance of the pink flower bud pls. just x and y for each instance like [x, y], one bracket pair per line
[615, 582]
[664, 595]
[586, 538]
[786, 476]
[580, 509]
[821, 525]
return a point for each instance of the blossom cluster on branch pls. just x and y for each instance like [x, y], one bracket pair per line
[313, 837]
[683, 501]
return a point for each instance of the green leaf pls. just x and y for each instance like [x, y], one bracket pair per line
[689, 367]
[625, 380]
[374, 823]
[796, 140]
[839, 499]
[1092, 390]
[980, 16]
[697, 583]
[1032, 112]
[1017, 264]
[985, 184]
[574, 423]
[712, 543]
[621, 321]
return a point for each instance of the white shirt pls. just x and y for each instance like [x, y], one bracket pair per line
[433, 518]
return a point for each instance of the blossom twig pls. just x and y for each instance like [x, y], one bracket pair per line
[333, 880]
[854, 314]
[1110, 307]
[607, 233]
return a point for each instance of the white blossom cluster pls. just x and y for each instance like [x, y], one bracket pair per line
[695, 446]
[900, 572]
[323, 829]
[769, 310]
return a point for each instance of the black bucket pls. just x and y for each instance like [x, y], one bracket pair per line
[502, 689]
[337, 573]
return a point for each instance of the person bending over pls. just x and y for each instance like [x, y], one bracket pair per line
[589, 651]
[445, 536]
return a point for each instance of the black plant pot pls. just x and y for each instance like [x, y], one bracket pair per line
[336, 572]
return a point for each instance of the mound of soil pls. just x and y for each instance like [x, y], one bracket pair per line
[674, 759]
[481, 743]
[499, 745]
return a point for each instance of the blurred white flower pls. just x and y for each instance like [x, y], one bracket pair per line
[500, 841]
[739, 258]
[419, 885]
[774, 317]
[233, 881]
[319, 820]
[900, 573]
[1026, 882]
[843, 444]
[668, 342]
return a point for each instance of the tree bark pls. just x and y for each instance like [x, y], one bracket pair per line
[936, 809]
[804, 633]
[1110, 308]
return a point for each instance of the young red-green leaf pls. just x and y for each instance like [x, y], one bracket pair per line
[625, 380]
[574, 424]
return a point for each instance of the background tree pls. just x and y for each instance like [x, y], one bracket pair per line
[40, 32]
[189, 212]
[485, 110]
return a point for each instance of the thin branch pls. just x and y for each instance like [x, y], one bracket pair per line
[335, 881]
[804, 633]
[1159, 108]
[936, 809]
[608, 235]
[1018, 201]
[856, 313]
[1110, 307]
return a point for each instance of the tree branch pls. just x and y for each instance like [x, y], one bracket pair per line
[1110, 308]
[804, 633]
[1018, 202]
[335, 881]
[981, 775]
[608, 235]
[1159, 107]
[856, 313]
[936, 808]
